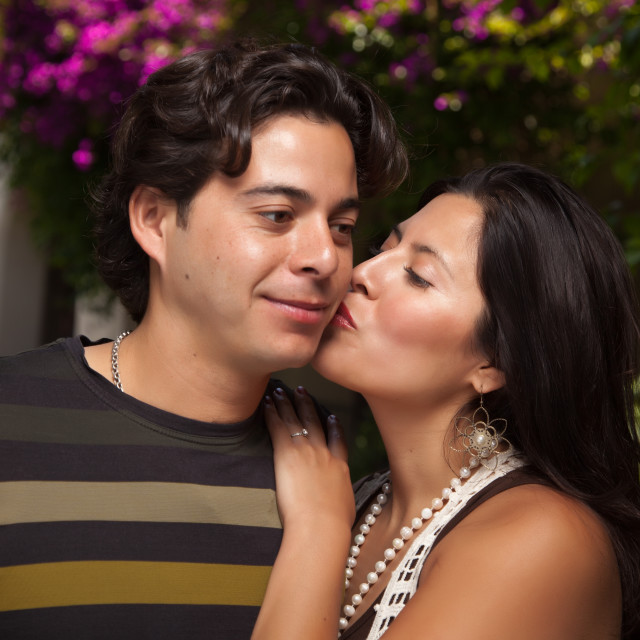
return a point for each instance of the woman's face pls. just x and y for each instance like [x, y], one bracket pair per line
[406, 329]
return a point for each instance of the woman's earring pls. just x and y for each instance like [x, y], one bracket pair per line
[480, 437]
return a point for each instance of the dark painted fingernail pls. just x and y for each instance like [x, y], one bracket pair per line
[268, 400]
[279, 393]
[301, 390]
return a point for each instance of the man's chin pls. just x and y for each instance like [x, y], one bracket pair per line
[301, 358]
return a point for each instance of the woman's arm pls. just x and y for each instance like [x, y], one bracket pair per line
[316, 505]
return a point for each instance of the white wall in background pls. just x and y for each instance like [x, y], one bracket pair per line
[22, 275]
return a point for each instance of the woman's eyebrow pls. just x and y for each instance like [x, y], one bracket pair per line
[423, 248]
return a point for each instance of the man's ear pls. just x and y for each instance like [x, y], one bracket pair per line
[487, 378]
[151, 215]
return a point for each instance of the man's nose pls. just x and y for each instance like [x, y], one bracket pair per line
[315, 252]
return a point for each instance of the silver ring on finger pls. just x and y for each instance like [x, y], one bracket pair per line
[304, 433]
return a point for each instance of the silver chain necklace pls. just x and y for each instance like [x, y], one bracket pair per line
[115, 371]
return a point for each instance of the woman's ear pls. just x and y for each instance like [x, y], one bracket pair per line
[150, 214]
[487, 378]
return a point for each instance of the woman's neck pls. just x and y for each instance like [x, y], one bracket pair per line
[420, 459]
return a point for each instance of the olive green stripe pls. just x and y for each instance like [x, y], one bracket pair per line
[66, 584]
[95, 427]
[38, 501]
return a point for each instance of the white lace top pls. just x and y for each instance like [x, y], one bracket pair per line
[404, 579]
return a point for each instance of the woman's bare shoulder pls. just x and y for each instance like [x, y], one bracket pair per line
[540, 529]
[542, 559]
[539, 512]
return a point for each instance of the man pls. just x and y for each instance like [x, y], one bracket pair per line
[138, 495]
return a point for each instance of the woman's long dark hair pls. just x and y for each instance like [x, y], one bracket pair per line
[561, 322]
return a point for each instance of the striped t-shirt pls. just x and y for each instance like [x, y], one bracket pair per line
[119, 520]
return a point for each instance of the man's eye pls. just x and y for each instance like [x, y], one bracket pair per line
[345, 229]
[277, 216]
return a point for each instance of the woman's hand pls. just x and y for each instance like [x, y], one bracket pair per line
[317, 509]
[312, 476]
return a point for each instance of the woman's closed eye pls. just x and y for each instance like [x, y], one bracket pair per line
[415, 279]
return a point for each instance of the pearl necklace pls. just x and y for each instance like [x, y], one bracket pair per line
[115, 371]
[397, 543]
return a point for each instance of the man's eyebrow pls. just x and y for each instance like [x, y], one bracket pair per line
[295, 193]
[349, 203]
[423, 248]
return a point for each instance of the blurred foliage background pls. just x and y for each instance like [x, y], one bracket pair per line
[555, 83]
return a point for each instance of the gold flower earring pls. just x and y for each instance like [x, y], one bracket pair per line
[479, 435]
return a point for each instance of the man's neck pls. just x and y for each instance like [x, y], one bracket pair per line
[168, 375]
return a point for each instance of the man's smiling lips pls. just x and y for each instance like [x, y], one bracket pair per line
[343, 318]
[302, 311]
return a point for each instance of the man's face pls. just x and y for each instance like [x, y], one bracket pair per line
[266, 257]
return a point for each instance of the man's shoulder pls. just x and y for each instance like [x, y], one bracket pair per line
[46, 370]
[58, 351]
[32, 384]
[33, 360]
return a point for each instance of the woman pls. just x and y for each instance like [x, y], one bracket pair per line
[495, 334]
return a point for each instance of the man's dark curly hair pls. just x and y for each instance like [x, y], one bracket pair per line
[196, 116]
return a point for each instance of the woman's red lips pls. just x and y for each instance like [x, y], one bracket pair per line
[343, 317]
